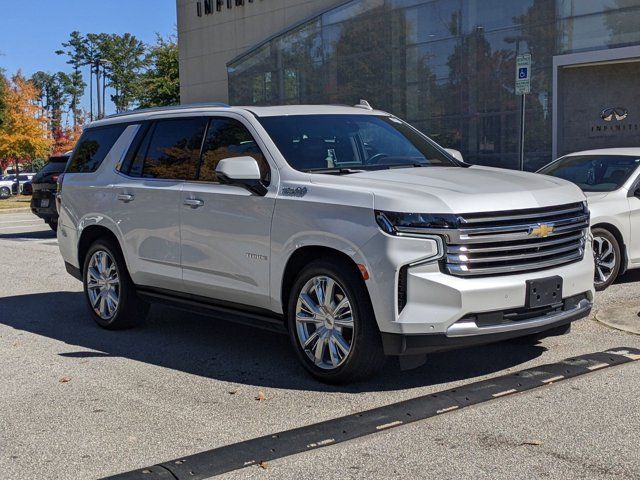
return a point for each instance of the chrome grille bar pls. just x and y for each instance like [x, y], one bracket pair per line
[515, 242]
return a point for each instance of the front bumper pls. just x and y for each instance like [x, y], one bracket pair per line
[466, 333]
[435, 300]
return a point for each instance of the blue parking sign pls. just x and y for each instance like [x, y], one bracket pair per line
[523, 73]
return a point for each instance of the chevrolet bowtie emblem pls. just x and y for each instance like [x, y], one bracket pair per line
[542, 231]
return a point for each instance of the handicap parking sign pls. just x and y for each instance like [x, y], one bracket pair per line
[523, 74]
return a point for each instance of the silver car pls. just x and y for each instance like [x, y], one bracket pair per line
[343, 226]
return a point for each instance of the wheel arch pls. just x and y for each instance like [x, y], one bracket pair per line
[305, 255]
[615, 231]
[89, 235]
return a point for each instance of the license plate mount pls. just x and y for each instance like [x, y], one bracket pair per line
[544, 292]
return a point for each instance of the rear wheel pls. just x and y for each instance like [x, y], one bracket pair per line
[607, 257]
[332, 324]
[109, 291]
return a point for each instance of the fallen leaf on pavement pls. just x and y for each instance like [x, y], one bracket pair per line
[263, 465]
[65, 380]
[532, 442]
[261, 396]
[232, 392]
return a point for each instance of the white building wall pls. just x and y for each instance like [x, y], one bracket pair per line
[207, 43]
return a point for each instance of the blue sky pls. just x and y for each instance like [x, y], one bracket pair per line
[33, 30]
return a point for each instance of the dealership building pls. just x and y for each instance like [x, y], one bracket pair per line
[446, 66]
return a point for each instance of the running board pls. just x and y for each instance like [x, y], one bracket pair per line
[264, 320]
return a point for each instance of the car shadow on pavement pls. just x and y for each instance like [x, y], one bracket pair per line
[234, 353]
[630, 277]
[39, 235]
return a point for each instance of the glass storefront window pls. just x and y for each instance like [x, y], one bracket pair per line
[446, 66]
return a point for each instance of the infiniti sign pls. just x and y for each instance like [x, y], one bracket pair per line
[617, 113]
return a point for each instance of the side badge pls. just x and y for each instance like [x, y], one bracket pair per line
[298, 192]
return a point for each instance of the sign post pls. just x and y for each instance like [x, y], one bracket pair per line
[523, 88]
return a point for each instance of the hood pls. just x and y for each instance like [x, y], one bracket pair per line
[460, 190]
[595, 196]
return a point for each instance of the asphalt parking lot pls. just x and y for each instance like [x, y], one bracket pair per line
[77, 402]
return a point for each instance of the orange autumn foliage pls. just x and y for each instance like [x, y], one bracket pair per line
[24, 134]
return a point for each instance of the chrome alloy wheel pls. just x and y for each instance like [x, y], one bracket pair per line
[103, 285]
[324, 322]
[605, 259]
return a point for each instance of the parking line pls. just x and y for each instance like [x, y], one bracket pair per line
[271, 447]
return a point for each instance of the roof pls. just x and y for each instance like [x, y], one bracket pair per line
[141, 115]
[625, 152]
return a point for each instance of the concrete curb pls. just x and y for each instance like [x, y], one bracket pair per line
[626, 319]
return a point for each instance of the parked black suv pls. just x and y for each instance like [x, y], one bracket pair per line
[44, 184]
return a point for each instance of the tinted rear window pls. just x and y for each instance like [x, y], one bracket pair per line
[54, 165]
[93, 147]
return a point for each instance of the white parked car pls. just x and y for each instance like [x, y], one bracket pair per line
[610, 179]
[345, 226]
[8, 183]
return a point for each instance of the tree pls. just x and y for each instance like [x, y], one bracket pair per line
[126, 57]
[160, 84]
[76, 51]
[4, 87]
[24, 135]
[53, 89]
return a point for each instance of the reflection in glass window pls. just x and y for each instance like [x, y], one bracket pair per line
[93, 147]
[174, 149]
[228, 138]
[320, 142]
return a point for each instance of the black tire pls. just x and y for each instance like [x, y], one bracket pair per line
[130, 309]
[601, 258]
[366, 356]
[5, 192]
[536, 337]
[53, 225]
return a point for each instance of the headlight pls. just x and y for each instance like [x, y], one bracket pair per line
[394, 223]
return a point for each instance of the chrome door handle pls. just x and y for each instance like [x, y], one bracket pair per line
[194, 203]
[126, 198]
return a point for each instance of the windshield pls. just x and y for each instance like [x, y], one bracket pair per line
[347, 143]
[594, 173]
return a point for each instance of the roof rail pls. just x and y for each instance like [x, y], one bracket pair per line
[364, 105]
[170, 108]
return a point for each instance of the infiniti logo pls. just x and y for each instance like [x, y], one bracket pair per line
[617, 113]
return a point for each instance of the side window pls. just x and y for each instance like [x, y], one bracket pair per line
[93, 147]
[173, 149]
[228, 138]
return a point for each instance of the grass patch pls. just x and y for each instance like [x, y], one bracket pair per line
[22, 201]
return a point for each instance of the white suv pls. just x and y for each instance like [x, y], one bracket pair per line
[343, 225]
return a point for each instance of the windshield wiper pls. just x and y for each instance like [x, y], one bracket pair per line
[333, 171]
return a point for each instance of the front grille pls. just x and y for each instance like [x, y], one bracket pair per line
[516, 241]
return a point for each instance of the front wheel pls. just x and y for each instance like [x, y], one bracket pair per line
[332, 324]
[607, 257]
[109, 291]
[5, 192]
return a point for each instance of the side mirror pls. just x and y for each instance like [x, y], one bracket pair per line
[455, 154]
[243, 172]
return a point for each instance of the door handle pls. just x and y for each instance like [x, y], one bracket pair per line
[125, 197]
[194, 202]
